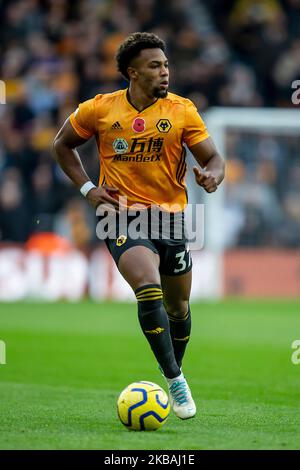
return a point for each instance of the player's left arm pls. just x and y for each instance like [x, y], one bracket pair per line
[212, 164]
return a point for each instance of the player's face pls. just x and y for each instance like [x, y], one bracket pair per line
[152, 72]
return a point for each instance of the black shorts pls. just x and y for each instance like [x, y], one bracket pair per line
[167, 239]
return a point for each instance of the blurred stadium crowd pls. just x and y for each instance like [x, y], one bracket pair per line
[57, 53]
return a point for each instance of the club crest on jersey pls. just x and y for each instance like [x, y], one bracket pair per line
[164, 125]
[120, 145]
[139, 125]
[121, 240]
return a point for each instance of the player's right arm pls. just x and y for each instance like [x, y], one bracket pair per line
[66, 155]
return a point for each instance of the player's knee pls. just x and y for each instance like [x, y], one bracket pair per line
[177, 309]
[146, 280]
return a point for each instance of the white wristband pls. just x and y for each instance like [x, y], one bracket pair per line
[86, 187]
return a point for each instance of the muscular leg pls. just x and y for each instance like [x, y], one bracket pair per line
[176, 291]
[139, 267]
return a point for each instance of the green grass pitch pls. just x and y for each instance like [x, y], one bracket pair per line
[67, 364]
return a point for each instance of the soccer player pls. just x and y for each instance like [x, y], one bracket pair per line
[140, 133]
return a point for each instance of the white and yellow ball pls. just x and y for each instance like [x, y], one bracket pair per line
[143, 406]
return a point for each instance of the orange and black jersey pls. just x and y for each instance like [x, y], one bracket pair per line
[142, 153]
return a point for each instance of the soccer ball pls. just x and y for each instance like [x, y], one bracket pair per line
[143, 406]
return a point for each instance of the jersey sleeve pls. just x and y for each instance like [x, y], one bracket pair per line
[194, 129]
[84, 118]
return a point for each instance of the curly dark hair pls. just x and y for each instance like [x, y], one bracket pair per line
[133, 45]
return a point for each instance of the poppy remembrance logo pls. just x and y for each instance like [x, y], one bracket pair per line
[139, 125]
